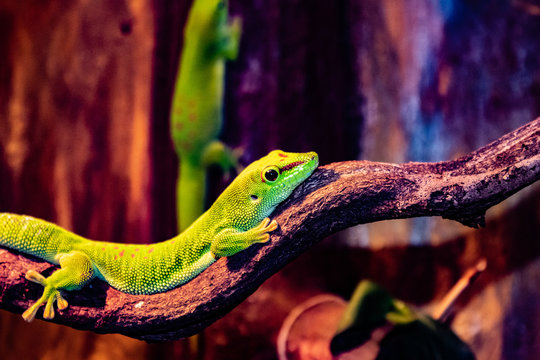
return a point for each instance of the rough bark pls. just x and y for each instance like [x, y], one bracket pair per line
[337, 196]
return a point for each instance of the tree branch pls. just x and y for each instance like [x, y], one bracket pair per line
[335, 197]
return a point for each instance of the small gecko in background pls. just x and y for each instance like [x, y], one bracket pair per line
[197, 106]
[236, 220]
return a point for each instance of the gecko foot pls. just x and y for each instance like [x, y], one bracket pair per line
[50, 295]
[261, 231]
[75, 271]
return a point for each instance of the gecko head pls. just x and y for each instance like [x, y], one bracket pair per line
[265, 183]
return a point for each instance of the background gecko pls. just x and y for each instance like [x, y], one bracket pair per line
[236, 220]
[197, 106]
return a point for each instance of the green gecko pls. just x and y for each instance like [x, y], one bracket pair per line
[236, 220]
[197, 105]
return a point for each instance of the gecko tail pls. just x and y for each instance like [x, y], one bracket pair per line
[35, 236]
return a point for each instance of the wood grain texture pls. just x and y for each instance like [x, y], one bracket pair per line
[74, 128]
[337, 196]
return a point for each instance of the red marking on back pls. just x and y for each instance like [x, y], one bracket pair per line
[282, 155]
[121, 253]
[187, 146]
[150, 250]
[136, 249]
[132, 255]
[102, 249]
[115, 257]
[192, 117]
[116, 248]
[172, 241]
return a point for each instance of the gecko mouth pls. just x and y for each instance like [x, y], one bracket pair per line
[300, 170]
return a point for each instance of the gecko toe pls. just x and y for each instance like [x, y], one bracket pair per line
[30, 313]
[61, 302]
[48, 313]
[34, 276]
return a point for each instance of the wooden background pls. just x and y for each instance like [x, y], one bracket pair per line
[85, 89]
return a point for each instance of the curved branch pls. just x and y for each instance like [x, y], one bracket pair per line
[335, 197]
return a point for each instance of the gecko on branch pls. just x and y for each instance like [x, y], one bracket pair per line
[236, 220]
[336, 196]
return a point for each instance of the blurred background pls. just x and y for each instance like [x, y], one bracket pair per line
[85, 89]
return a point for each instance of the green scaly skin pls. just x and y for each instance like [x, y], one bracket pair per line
[236, 220]
[196, 113]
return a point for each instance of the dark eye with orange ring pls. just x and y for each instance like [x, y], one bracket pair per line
[270, 174]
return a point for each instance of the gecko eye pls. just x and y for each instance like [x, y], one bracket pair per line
[254, 198]
[270, 174]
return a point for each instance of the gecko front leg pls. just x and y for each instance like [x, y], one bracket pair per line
[230, 39]
[231, 241]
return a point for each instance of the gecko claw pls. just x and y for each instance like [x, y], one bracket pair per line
[272, 226]
[30, 313]
[263, 239]
[61, 302]
[48, 312]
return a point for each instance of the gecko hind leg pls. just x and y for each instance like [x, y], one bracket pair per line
[75, 271]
